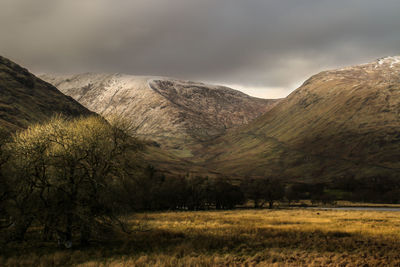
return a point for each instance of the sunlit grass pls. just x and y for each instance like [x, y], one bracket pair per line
[292, 237]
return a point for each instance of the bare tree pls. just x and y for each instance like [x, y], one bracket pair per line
[71, 170]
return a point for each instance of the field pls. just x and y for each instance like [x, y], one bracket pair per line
[281, 237]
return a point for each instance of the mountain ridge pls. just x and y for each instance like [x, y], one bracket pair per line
[177, 114]
[25, 99]
[339, 122]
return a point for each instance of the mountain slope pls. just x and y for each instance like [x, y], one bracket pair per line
[25, 99]
[339, 122]
[179, 115]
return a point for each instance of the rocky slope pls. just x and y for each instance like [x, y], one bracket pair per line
[338, 123]
[25, 99]
[178, 115]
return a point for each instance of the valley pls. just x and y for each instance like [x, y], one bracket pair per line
[199, 133]
[184, 150]
[343, 122]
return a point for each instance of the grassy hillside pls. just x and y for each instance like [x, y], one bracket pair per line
[340, 122]
[25, 99]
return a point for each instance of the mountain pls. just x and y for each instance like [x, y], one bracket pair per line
[343, 122]
[179, 115]
[25, 99]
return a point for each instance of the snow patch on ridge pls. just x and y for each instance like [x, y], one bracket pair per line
[389, 60]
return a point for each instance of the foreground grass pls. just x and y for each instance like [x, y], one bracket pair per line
[293, 237]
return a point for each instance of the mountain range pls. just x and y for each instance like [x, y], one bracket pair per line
[339, 123]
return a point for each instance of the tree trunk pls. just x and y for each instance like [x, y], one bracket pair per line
[256, 205]
[85, 234]
[47, 233]
[20, 229]
[68, 232]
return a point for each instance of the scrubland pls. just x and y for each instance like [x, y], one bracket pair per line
[281, 237]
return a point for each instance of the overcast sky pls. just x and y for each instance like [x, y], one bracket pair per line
[263, 47]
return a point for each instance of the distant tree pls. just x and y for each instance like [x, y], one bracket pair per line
[173, 193]
[274, 191]
[226, 195]
[296, 192]
[252, 190]
[146, 190]
[198, 192]
[346, 183]
[262, 191]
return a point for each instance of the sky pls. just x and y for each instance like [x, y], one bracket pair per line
[265, 48]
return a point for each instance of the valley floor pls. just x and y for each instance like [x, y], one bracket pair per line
[281, 237]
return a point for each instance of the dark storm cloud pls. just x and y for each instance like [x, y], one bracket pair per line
[253, 44]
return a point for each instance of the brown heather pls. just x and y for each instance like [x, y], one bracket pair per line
[293, 237]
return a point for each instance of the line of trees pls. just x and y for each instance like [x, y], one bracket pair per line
[373, 189]
[379, 189]
[158, 192]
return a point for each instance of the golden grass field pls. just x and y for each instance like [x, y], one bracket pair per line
[281, 237]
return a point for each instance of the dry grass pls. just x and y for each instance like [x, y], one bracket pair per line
[295, 237]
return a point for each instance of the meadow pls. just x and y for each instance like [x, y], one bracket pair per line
[248, 237]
